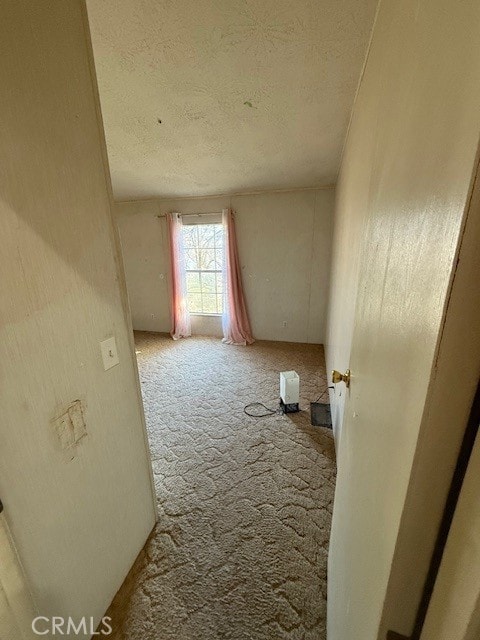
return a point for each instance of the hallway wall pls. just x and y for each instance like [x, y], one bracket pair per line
[284, 245]
[78, 513]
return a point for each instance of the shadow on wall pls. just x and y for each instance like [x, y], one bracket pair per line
[53, 194]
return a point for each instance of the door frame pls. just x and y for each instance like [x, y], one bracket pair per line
[453, 497]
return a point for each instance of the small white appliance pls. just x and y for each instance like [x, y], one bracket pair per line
[289, 391]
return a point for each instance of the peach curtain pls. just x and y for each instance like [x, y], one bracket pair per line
[178, 289]
[235, 322]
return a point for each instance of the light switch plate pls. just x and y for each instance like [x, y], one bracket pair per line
[109, 353]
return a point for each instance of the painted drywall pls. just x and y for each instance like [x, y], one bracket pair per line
[400, 209]
[251, 95]
[284, 244]
[144, 245]
[78, 516]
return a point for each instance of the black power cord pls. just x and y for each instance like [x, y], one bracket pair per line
[323, 393]
[268, 412]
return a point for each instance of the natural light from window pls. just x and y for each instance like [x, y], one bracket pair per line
[203, 244]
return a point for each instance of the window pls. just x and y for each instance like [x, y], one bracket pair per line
[203, 244]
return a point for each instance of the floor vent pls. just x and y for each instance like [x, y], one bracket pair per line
[320, 415]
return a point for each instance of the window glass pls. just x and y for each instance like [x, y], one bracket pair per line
[203, 265]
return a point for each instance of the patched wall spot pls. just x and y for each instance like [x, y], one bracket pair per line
[70, 427]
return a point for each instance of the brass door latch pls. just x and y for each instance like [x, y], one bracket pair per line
[341, 377]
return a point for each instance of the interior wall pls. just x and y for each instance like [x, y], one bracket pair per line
[284, 243]
[79, 515]
[403, 190]
[350, 208]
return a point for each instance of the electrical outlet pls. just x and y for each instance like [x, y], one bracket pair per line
[109, 353]
[284, 324]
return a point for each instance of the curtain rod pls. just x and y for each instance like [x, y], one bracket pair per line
[185, 215]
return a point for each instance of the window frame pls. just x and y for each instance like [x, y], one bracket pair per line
[202, 223]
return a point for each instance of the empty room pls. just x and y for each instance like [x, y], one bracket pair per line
[239, 338]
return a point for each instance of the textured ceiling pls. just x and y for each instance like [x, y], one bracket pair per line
[251, 94]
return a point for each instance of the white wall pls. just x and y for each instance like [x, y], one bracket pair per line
[284, 244]
[79, 516]
[349, 220]
[144, 243]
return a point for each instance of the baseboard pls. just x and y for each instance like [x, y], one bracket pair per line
[392, 635]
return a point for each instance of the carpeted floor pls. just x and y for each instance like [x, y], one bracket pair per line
[240, 549]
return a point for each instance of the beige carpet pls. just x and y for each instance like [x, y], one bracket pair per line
[240, 550]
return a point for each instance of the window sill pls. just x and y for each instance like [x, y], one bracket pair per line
[208, 315]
